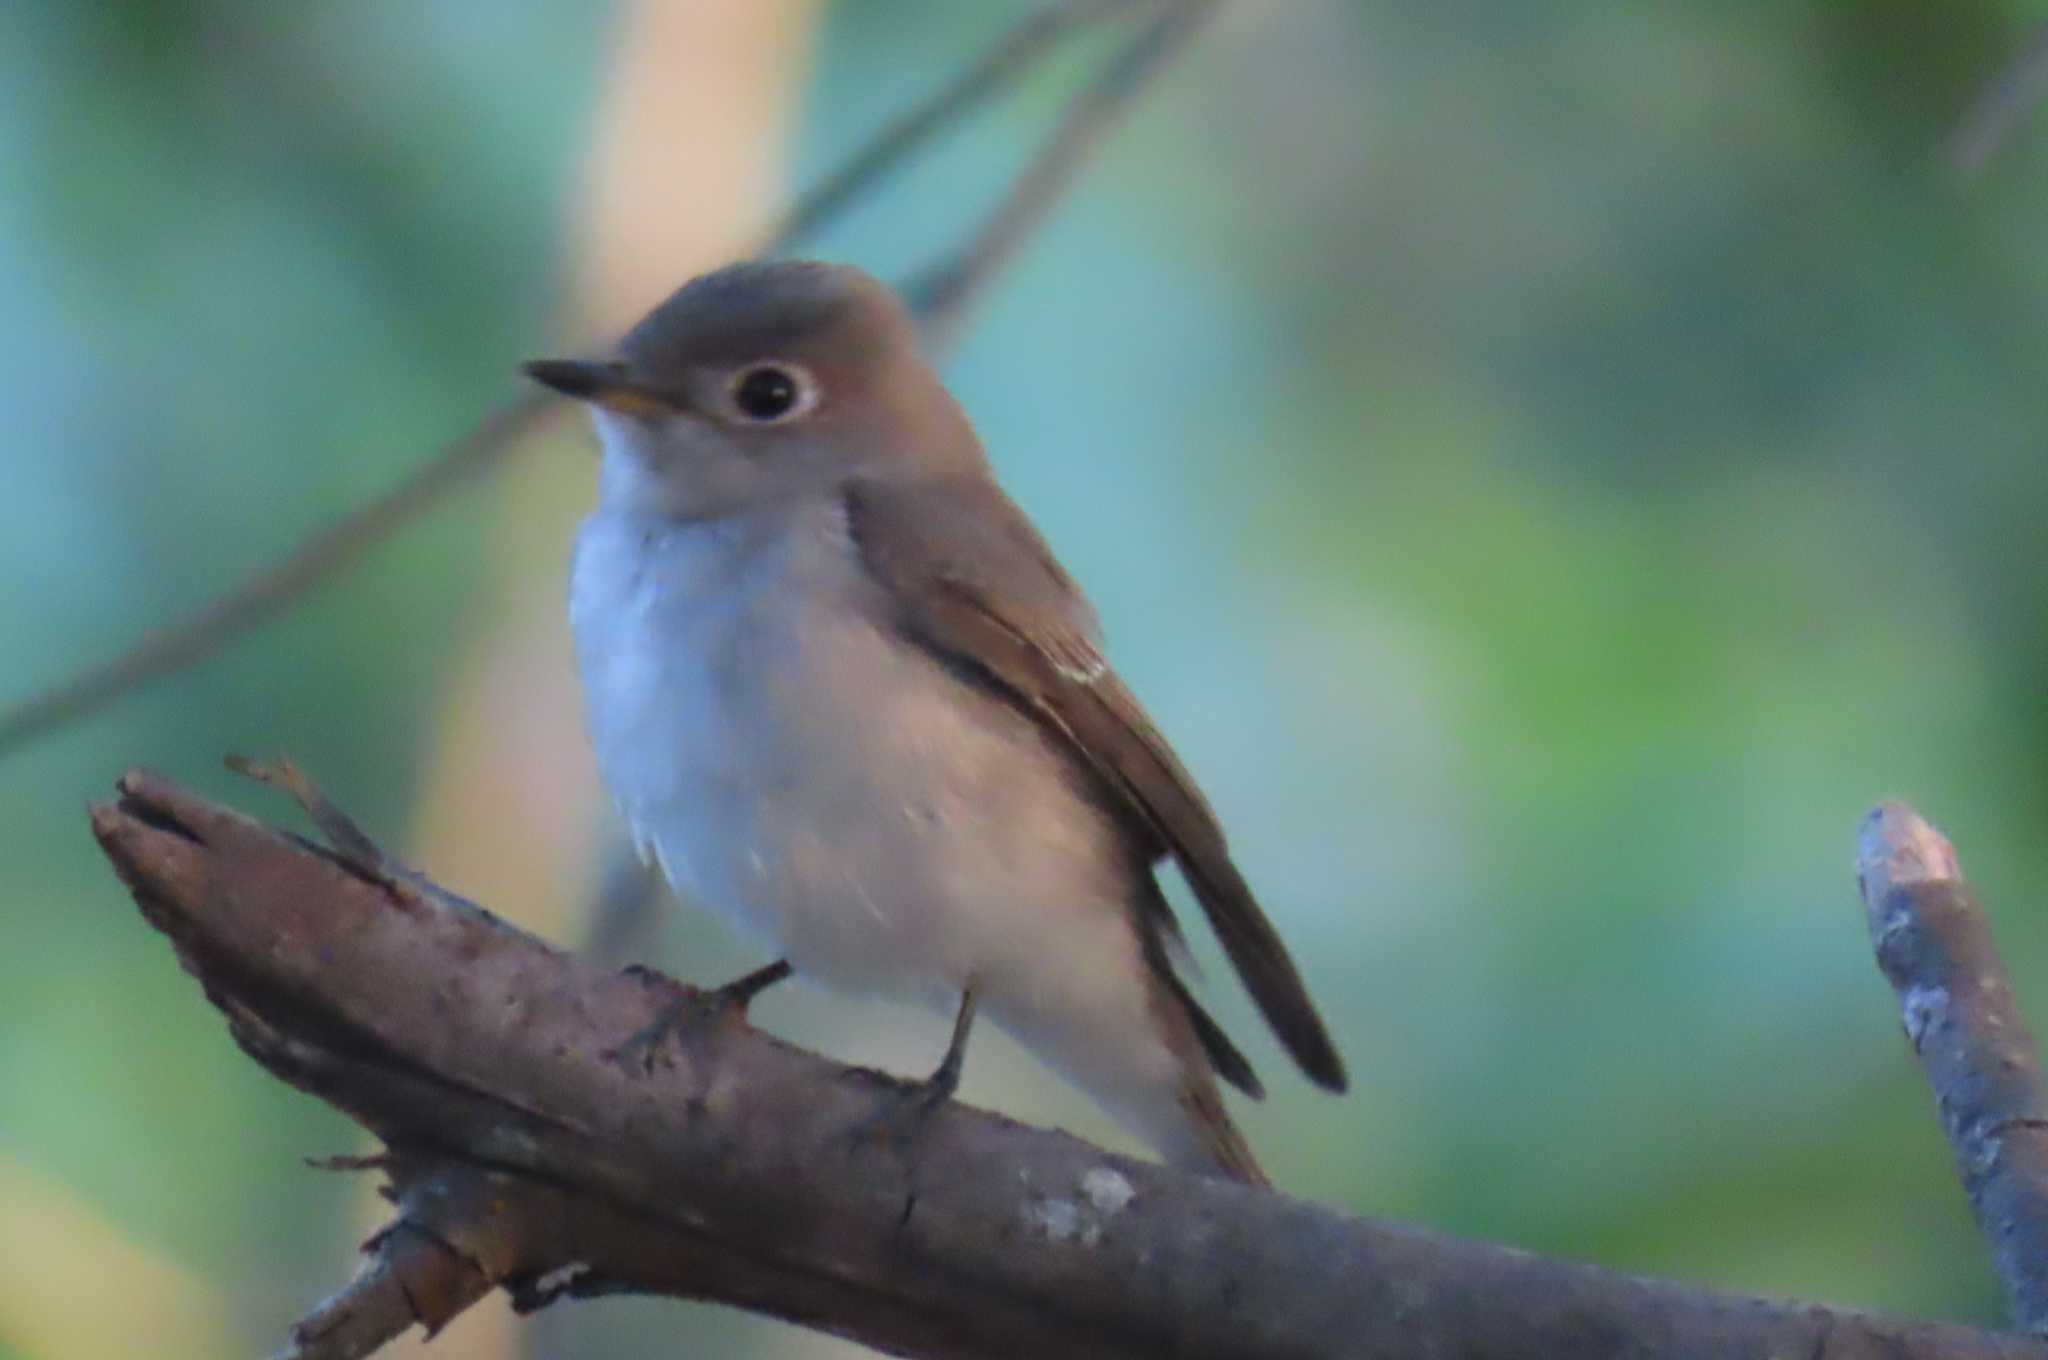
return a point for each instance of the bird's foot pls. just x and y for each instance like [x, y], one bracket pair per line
[906, 1105]
[692, 1010]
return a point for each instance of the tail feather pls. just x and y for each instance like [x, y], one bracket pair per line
[1207, 1137]
[1134, 1040]
[1157, 935]
[1150, 1070]
[1230, 1064]
[1223, 1145]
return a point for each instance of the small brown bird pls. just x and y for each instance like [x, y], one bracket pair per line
[844, 695]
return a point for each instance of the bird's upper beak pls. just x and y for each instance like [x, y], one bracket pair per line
[602, 384]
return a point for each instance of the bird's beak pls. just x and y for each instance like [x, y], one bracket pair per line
[601, 384]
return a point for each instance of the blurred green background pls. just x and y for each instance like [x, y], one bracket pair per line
[1549, 469]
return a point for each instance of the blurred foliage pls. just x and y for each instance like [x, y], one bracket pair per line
[1550, 468]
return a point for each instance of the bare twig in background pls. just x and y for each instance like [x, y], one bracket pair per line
[2003, 106]
[747, 1171]
[1934, 944]
[491, 443]
[988, 75]
[332, 550]
[410, 1273]
[943, 295]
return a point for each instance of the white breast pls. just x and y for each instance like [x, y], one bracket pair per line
[820, 782]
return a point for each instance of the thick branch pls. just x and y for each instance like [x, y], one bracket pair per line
[1934, 943]
[741, 1172]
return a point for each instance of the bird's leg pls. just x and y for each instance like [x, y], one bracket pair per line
[737, 995]
[907, 1104]
[694, 1006]
[945, 1079]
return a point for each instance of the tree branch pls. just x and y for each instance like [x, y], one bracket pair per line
[1933, 942]
[739, 1171]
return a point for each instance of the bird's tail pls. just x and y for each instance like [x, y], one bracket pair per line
[1147, 1054]
[1216, 1137]
[1188, 1121]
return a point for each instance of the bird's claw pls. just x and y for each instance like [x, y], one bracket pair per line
[904, 1105]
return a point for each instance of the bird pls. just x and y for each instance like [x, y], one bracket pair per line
[844, 696]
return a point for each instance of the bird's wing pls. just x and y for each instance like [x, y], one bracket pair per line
[940, 551]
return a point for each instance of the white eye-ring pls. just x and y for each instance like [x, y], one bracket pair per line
[772, 392]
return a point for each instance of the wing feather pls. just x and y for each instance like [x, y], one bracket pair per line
[940, 550]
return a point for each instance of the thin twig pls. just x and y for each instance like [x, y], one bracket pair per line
[1933, 942]
[344, 836]
[943, 295]
[747, 1171]
[995, 70]
[2003, 106]
[499, 434]
[332, 550]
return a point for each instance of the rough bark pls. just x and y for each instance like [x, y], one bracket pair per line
[743, 1170]
[1933, 942]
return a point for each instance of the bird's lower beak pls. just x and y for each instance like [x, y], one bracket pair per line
[601, 384]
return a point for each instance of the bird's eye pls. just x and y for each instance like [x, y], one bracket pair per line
[768, 394]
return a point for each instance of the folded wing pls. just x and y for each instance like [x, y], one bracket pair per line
[939, 549]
